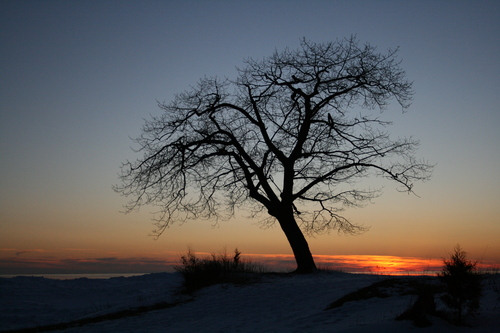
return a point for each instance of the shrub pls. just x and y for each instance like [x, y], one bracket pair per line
[203, 272]
[463, 285]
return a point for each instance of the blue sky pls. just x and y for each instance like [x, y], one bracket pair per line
[77, 78]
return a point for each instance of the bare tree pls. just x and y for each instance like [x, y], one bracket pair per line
[283, 138]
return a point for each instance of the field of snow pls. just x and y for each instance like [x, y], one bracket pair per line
[278, 303]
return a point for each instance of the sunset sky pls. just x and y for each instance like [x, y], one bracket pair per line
[77, 78]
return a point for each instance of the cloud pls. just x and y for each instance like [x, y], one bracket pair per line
[18, 253]
[27, 265]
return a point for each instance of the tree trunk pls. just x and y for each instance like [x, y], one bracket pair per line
[300, 248]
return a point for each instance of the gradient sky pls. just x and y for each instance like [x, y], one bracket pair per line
[77, 78]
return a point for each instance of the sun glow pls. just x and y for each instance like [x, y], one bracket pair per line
[45, 262]
[358, 263]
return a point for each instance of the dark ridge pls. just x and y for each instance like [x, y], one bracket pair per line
[97, 319]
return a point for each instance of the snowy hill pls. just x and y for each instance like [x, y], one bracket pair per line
[278, 303]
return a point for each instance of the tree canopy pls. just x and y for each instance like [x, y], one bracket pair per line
[290, 136]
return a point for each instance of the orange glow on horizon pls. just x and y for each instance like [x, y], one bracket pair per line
[376, 264]
[357, 263]
[36, 262]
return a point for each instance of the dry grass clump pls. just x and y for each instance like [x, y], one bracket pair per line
[219, 268]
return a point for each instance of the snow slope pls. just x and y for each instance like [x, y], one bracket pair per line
[279, 303]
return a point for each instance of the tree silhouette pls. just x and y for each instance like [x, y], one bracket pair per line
[463, 284]
[281, 138]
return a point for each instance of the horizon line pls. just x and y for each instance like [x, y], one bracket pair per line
[277, 262]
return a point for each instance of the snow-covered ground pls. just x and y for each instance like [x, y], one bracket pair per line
[279, 303]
